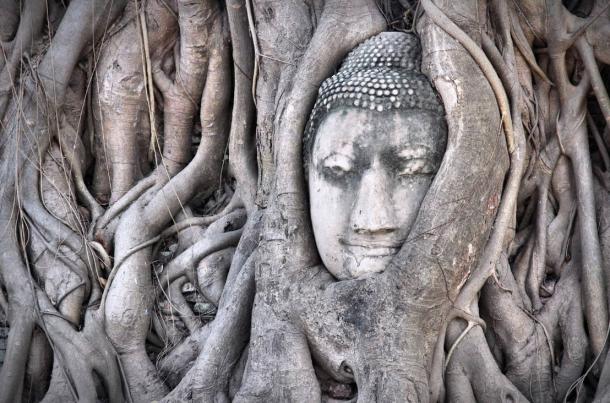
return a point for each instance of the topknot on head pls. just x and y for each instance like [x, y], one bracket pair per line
[393, 50]
[381, 74]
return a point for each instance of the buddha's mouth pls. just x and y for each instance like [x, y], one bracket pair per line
[365, 251]
[377, 248]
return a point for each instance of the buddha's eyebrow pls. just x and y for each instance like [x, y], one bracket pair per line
[411, 152]
[395, 157]
[333, 153]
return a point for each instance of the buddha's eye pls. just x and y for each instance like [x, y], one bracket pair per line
[416, 166]
[337, 165]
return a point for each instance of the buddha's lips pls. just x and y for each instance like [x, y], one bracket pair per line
[372, 252]
[372, 248]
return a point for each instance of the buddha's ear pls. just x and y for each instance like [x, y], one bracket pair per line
[456, 216]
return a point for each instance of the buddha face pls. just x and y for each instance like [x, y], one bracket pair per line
[368, 174]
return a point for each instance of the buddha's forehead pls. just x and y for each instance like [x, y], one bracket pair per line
[352, 129]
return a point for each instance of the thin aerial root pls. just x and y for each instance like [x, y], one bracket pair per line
[601, 145]
[457, 342]
[518, 36]
[257, 52]
[578, 384]
[104, 256]
[601, 93]
[118, 264]
[149, 83]
[547, 336]
[125, 201]
[77, 172]
[438, 356]
[494, 276]
[194, 222]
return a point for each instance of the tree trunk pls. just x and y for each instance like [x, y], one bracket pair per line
[157, 162]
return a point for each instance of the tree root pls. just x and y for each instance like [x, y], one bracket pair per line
[209, 378]
[85, 354]
[188, 259]
[439, 362]
[212, 274]
[507, 206]
[572, 120]
[588, 57]
[179, 304]
[200, 23]
[18, 345]
[40, 364]
[473, 367]
[100, 227]
[31, 22]
[304, 328]
[241, 141]
[77, 171]
[199, 221]
[477, 54]
[175, 364]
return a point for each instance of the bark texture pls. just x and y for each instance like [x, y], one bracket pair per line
[156, 241]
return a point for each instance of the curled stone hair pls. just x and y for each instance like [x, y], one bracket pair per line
[381, 74]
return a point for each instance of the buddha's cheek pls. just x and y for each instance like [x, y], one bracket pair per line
[406, 199]
[330, 207]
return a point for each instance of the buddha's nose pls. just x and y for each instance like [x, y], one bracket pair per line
[373, 212]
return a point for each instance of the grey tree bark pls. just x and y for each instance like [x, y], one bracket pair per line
[156, 235]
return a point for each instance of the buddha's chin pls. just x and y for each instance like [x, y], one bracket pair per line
[359, 266]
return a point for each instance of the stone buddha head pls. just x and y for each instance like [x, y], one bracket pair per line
[373, 143]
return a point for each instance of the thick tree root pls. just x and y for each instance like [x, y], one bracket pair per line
[123, 277]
